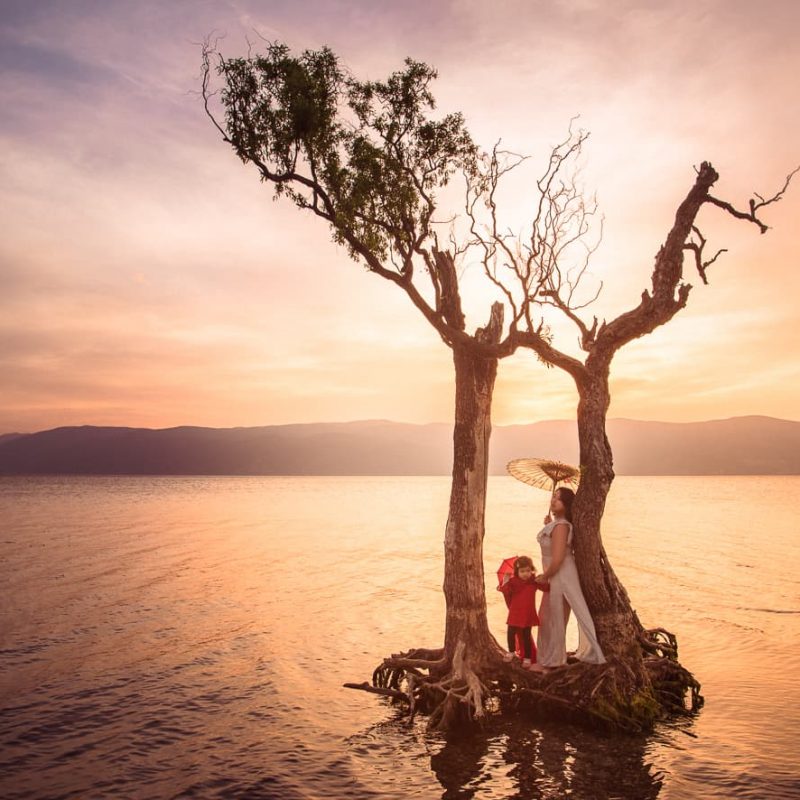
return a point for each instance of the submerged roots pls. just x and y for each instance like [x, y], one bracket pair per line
[449, 691]
[676, 689]
[623, 694]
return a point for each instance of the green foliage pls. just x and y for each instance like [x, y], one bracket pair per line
[365, 155]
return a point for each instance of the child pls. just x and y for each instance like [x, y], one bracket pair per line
[520, 596]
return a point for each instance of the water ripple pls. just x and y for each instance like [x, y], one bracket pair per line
[189, 638]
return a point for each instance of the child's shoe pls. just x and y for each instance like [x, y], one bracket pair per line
[526, 663]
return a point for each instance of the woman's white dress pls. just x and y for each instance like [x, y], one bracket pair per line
[564, 585]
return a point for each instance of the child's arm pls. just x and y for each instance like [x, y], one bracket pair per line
[541, 584]
[507, 590]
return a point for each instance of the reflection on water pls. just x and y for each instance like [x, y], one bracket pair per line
[189, 637]
[506, 759]
[546, 763]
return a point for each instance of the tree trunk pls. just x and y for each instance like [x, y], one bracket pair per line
[647, 679]
[617, 626]
[464, 588]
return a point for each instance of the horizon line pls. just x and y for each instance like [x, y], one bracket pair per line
[389, 422]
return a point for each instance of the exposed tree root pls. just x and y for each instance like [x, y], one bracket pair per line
[624, 694]
[671, 683]
[659, 642]
[366, 687]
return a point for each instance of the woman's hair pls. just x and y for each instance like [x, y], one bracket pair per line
[566, 496]
[522, 561]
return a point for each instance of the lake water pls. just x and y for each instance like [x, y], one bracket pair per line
[189, 637]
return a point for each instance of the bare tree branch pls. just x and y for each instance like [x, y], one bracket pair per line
[750, 215]
[697, 249]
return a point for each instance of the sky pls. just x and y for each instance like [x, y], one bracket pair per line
[147, 277]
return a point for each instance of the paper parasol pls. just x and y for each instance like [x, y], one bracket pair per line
[543, 473]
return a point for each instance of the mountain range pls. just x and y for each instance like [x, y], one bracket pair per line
[739, 446]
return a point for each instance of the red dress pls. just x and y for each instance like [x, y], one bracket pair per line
[520, 598]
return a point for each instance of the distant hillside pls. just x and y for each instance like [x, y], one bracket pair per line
[738, 446]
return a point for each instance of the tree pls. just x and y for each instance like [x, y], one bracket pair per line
[651, 676]
[369, 159]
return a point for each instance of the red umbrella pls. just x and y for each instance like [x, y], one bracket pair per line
[506, 568]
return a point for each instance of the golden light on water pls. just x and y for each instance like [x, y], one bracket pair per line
[168, 632]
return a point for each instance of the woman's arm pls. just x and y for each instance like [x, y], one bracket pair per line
[559, 540]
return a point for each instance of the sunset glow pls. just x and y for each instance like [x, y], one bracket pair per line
[148, 279]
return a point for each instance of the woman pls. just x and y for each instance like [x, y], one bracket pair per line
[559, 570]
